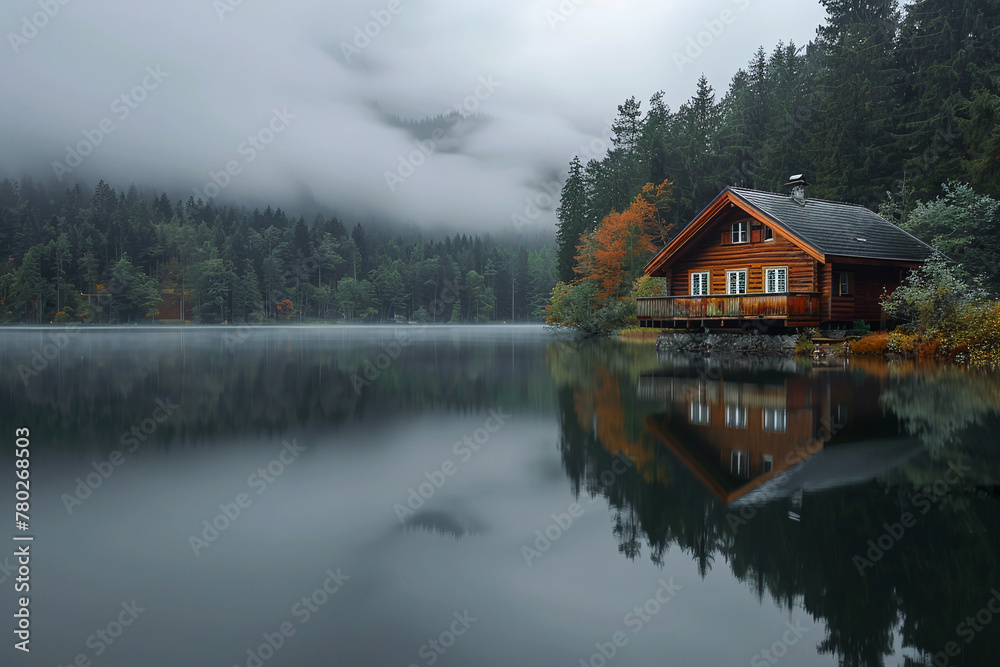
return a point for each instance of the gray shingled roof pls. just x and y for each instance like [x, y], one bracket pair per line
[834, 228]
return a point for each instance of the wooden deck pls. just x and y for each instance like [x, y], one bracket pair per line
[792, 309]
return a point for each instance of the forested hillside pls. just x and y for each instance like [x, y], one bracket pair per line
[108, 256]
[885, 105]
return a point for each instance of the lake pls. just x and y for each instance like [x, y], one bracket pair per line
[493, 495]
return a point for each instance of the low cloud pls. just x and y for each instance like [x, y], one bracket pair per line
[347, 73]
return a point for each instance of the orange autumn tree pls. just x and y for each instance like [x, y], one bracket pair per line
[285, 309]
[613, 254]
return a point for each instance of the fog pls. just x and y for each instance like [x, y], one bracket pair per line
[290, 104]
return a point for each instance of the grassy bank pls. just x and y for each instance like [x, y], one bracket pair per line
[640, 335]
[972, 337]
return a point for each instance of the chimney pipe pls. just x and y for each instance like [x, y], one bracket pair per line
[798, 184]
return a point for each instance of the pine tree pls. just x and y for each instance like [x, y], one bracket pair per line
[573, 218]
[654, 145]
[698, 123]
[622, 169]
[949, 51]
[857, 115]
[746, 116]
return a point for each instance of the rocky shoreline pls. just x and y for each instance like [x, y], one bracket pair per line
[726, 343]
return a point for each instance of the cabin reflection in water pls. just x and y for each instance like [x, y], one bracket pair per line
[750, 437]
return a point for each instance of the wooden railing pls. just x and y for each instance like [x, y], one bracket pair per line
[788, 305]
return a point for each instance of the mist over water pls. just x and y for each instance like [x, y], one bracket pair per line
[494, 496]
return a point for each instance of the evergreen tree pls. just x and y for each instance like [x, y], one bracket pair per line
[653, 145]
[134, 296]
[855, 97]
[573, 218]
[698, 124]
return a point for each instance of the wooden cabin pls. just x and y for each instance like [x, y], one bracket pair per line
[735, 435]
[784, 259]
[739, 433]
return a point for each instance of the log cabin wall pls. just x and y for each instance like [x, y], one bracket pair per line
[713, 251]
[825, 291]
[867, 283]
[794, 423]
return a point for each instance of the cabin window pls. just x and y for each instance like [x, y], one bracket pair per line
[768, 233]
[844, 284]
[739, 463]
[699, 283]
[767, 463]
[840, 416]
[736, 282]
[740, 230]
[776, 280]
[699, 413]
[736, 416]
[775, 420]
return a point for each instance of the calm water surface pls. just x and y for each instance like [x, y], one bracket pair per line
[495, 496]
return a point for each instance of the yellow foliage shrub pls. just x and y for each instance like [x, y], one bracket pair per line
[901, 342]
[982, 335]
[873, 343]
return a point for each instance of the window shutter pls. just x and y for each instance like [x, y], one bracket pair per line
[755, 236]
[727, 238]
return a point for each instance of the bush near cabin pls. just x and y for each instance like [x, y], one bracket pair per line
[982, 335]
[942, 312]
[874, 343]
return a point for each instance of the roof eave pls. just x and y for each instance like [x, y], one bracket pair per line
[876, 258]
[685, 234]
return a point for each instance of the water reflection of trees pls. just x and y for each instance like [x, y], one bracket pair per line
[941, 571]
[272, 380]
[938, 403]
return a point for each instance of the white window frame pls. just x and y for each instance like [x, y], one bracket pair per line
[741, 232]
[736, 415]
[729, 281]
[780, 279]
[739, 463]
[703, 283]
[767, 234]
[841, 413]
[775, 420]
[844, 277]
[700, 413]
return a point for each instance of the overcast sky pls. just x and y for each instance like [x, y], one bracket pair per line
[286, 94]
